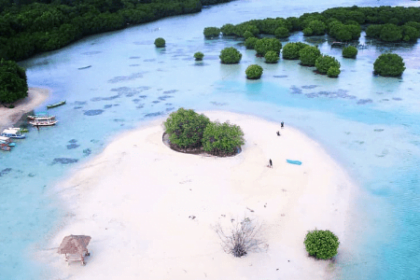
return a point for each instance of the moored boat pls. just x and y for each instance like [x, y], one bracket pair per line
[4, 147]
[38, 115]
[13, 133]
[43, 121]
[7, 141]
[56, 104]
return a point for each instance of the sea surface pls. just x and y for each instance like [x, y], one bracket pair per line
[369, 124]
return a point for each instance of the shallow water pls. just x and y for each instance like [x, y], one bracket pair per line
[367, 123]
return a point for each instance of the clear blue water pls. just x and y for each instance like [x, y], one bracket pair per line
[368, 124]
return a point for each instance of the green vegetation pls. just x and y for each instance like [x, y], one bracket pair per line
[282, 32]
[13, 84]
[411, 34]
[291, 50]
[222, 139]
[188, 130]
[211, 32]
[318, 27]
[308, 32]
[394, 33]
[390, 33]
[185, 128]
[250, 42]
[271, 57]
[333, 72]
[389, 64]
[213, 2]
[308, 55]
[228, 29]
[160, 42]
[344, 32]
[198, 56]
[267, 44]
[28, 27]
[248, 34]
[254, 72]
[230, 56]
[343, 24]
[321, 244]
[324, 62]
[349, 52]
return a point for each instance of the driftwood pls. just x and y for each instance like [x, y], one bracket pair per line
[241, 238]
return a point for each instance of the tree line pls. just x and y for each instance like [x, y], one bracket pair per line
[28, 27]
[388, 24]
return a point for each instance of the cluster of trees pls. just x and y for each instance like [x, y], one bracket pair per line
[190, 130]
[389, 32]
[388, 24]
[326, 64]
[291, 50]
[28, 27]
[211, 32]
[13, 85]
[269, 48]
[311, 56]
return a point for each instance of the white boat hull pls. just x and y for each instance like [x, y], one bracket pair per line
[50, 123]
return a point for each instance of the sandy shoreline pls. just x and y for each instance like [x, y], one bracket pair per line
[36, 96]
[136, 200]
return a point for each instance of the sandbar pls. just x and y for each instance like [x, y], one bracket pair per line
[36, 96]
[152, 211]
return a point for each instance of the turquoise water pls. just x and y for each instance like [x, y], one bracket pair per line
[368, 124]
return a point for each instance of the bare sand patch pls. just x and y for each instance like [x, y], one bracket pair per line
[36, 96]
[137, 200]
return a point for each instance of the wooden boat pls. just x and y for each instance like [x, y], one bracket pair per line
[43, 121]
[7, 141]
[13, 133]
[5, 147]
[56, 105]
[84, 67]
[37, 115]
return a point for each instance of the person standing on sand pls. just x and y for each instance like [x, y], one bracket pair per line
[271, 163]
[282, 124]
[278, 133]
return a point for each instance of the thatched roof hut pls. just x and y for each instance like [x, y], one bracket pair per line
[75, 245]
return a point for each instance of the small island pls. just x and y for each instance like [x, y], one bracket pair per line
[150, 206]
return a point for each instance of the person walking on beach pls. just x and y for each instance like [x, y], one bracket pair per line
[270, 163]
[282, 124]
[278, 133]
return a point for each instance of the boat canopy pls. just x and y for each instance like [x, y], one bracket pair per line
[15, 129]
[9, 131]
[4, 138]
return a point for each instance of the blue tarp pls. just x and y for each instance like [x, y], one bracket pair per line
[294, 162]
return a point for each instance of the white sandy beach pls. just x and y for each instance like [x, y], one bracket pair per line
[136, 197]
[36, 96]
